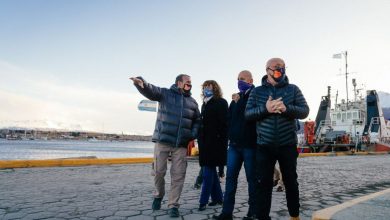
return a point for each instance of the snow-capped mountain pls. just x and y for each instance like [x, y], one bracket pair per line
[40, 124]
[384, 99]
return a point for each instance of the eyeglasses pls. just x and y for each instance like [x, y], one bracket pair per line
[278, 71]
[276, 68]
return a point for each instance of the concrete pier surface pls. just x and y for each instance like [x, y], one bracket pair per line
[125, 191]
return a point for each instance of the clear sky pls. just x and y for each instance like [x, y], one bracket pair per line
[69, 61]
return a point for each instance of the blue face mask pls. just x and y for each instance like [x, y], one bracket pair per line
[207, 92]
[243, 86]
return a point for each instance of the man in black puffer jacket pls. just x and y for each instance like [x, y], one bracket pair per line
[178, 121]
[242, 148]
[275, 105]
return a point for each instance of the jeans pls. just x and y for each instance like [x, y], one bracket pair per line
[211, 186]
[199, 178]
[238, 155]
[266, 157]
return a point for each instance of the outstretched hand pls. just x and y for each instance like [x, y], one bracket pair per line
[137, 81]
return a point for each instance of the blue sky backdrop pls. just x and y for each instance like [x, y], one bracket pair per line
[68, 62]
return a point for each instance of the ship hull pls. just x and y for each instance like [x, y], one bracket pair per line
[382, 147]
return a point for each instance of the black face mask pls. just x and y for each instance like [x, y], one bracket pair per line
[187, 91]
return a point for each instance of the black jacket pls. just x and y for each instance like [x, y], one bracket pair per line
[178, 117]
[276, 129]
[213, 133]
[242, 133]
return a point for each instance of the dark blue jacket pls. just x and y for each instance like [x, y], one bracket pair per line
[178, 116]
[274, 128]
[242, 133]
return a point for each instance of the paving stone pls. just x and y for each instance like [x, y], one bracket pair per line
[14, 215]
[100, 214]
[115, 218]
[127, 213]
[195, 217]
[63, 215]
[97, 192]
[39, 215]
[140, 217]
[204, 212]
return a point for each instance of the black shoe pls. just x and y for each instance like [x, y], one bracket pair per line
[279, 188]
[202, 207]
[156, 203]
[215, 203]
[223, 216]
[197, 186]
[174, 212]
[249, 217]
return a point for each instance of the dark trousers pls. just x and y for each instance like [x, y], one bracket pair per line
[238, 155]
[199, 178]
[266, 157]
[211, 186]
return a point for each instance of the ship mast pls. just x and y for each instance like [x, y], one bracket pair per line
[354, 88]
[338, 56]
[346, 74]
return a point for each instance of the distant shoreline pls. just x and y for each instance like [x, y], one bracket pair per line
[40, 134]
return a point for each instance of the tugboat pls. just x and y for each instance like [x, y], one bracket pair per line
[357, 125]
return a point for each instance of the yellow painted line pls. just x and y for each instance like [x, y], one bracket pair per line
[313, 154]
[6, 164]
[340, 154]
[326, 214]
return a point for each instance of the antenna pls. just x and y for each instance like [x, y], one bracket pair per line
[354, 88]
[346, 74]
[338, 56]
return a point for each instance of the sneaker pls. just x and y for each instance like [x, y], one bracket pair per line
[156, 203]
[174, 212]
[223, 216]
[202, 207]
[215, 203]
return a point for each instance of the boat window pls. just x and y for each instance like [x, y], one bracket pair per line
[355, 115]
[349, 115]
[338, 116]
[343, 116]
